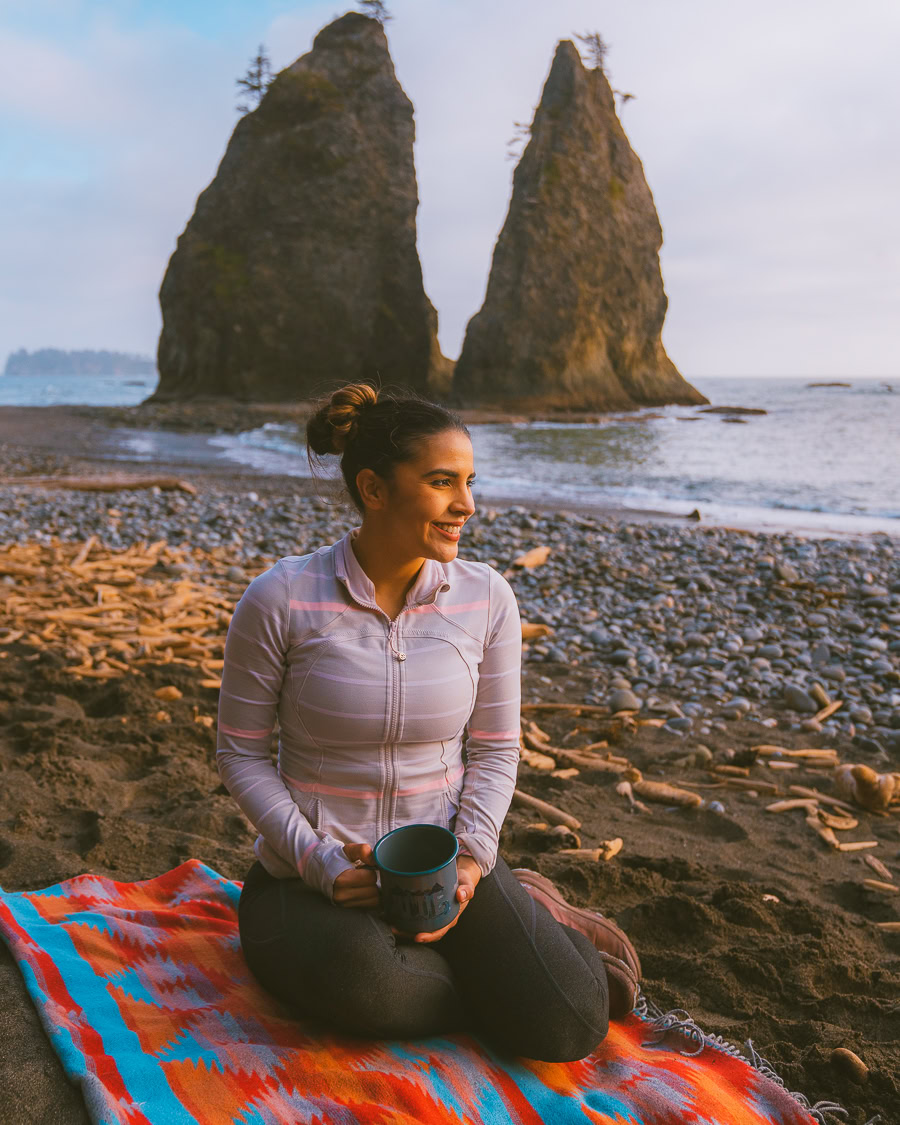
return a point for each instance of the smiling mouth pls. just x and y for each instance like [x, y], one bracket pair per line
[450, 530]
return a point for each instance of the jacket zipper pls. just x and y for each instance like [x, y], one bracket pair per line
[390, 796]
[388, 802]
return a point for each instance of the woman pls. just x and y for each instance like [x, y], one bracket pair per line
[378, 654]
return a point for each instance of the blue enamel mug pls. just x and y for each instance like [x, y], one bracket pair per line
[417, 865]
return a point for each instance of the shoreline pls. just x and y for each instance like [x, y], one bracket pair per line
[55, 440]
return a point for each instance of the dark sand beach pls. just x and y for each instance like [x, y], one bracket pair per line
[743, 917]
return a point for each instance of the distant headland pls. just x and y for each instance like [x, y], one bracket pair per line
[56, 361]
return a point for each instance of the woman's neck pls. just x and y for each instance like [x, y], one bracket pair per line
[391, 576]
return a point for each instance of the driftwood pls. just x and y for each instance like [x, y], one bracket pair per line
[881, 888]
[827, 712]
[826, 833]
[607, 850]
[112, 483]
[590, 761]
[112, 612]
[868, 789]
[749, 784]
[803, 791]
[857, 845]
[766, 751]
[623, 788]
[837, 822]
[536, 760]
[537, 556]
[793, 803]
[661, 791]
[585, 708]
[888, 927]
[549, 812]
[531, 630]
[730, 771]
[879, 868]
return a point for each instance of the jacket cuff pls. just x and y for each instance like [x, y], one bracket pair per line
[483, 854]
[324, 864]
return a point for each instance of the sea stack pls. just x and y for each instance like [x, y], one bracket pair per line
[298, 270]
[575, 304]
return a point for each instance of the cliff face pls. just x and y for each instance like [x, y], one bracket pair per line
[298, 269]
[575, 303]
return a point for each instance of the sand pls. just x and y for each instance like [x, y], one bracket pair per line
[92, 782]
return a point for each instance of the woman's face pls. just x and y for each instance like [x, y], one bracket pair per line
[429, 498]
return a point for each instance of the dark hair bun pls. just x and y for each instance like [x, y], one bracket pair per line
[336, 421]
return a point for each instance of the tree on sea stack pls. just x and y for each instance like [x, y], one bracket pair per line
[255, 82]
[298, 270]
[573, 314]
[377, 9]
[597, 48]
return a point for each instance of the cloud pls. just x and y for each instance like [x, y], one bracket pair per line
[765, 131]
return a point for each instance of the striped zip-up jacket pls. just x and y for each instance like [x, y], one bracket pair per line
[371, 712]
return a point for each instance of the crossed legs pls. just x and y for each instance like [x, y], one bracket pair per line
[507, 970]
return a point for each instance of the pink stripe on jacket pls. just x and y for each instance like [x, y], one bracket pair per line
[369, 708]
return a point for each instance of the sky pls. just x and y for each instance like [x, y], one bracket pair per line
[767, 131]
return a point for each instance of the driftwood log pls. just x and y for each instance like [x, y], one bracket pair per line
[547, 811]
[113, 483]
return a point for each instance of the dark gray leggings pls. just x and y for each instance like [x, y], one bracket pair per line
[507, 970]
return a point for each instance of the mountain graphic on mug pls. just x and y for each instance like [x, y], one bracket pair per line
[429, 902]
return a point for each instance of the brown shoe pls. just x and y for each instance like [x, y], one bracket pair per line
[623, 968]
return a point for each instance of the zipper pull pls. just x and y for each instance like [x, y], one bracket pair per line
[392, 630]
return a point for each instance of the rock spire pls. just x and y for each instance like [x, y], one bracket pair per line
[298, 269]
[574, 310]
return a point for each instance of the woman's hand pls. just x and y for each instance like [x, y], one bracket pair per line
[356, 886]
[468, 873]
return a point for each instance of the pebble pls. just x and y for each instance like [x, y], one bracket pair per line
[623, 700]
[850, 1065]
[714, 619]
[798, 700]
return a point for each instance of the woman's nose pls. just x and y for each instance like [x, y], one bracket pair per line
[464, 503]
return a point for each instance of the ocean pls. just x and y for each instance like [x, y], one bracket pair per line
[820, 457]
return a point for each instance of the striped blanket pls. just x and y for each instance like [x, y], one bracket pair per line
[144, 994]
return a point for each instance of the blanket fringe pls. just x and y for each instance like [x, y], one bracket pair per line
[679, 1020]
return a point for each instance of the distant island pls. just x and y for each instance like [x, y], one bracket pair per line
[55, 361]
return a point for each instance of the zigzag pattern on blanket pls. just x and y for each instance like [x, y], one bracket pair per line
[148, 1002]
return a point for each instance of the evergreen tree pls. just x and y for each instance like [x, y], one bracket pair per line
[377, 9]
[596, 46]
[255, 82]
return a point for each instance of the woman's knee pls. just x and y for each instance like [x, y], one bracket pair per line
[561, 1029]
[566, 1039]
[377, 992]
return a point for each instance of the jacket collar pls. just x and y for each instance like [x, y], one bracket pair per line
[430, 581]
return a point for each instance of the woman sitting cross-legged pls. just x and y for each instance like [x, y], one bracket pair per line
[381, 655]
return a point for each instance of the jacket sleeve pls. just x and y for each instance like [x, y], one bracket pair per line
[492, 746]
[254, 667]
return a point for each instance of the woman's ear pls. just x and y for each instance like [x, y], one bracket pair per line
[372, 489]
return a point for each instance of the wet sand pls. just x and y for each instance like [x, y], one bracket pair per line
[182, 438]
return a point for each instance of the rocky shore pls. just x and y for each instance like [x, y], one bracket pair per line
[716, 625]
[715, 641]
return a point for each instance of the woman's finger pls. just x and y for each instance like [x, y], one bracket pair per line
[425, 939]
[356, 877]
